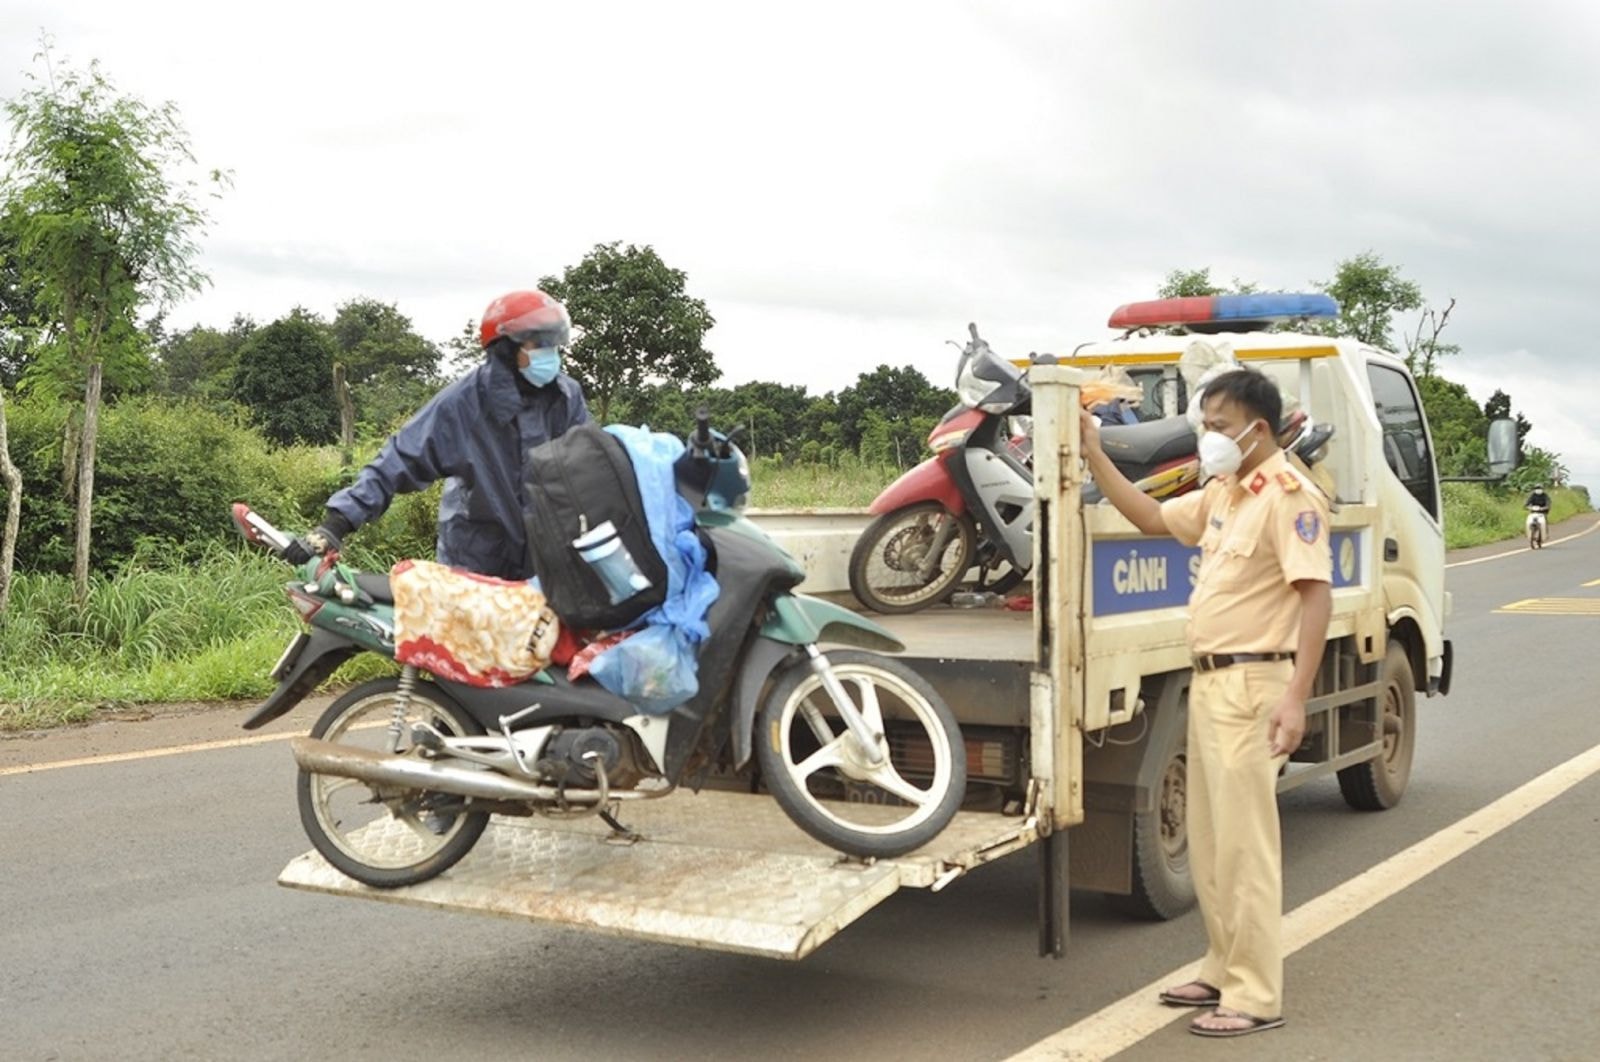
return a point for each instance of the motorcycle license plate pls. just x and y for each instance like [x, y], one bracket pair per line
[290, 655]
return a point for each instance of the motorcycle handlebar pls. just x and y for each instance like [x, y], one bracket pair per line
[257, 530]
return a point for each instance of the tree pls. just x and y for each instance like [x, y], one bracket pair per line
[1499, 407]
[1188, 283]
[101, 228]
[1538, 467]
[374, 337]
[1369, 294]
[635, 322]
[13, 483]
[284, 377]
[199, 362]
[18, 333]
[1460, 430]
[900, 396]
[1423, 350]
[461, 352]
[390, 369]
[770, 413]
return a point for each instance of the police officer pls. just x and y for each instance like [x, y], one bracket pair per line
[1258, 621]
[474, 435]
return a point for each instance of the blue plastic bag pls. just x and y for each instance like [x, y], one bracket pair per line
[654, 668]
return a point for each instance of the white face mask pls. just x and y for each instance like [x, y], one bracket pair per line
[1220, 454]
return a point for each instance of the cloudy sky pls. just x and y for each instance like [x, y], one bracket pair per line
[847, 184]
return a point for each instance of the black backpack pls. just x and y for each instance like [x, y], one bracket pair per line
[573, 483]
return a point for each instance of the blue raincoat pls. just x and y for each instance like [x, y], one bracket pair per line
[473, 434]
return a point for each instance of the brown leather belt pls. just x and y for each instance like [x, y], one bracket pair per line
[1217, 661]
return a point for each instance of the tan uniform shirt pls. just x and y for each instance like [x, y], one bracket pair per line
[1258, 535]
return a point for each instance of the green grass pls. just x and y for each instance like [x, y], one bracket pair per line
[202, 632]
[849, 483]
[1475, 514]
[156, 633]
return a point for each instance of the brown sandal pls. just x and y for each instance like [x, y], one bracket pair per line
[1212, 997]
[1255, 1025]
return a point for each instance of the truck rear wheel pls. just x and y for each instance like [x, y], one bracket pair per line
[1162, 885]
[1379, 783]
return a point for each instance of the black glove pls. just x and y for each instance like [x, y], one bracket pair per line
[313, 543]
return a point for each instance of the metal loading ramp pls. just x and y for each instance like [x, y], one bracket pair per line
[717, 870]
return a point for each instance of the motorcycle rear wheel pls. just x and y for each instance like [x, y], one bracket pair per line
[378, 835]
[830, 790]
[885, 564]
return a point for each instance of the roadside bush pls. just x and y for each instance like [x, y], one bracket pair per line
[165, 475]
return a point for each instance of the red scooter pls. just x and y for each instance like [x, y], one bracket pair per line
[970, 505]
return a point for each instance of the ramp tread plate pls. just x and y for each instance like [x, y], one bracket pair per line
[724, 871]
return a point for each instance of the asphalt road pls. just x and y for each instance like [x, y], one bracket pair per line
[141, 919]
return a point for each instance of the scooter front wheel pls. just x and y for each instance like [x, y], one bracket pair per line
[828, 782]
[381, 836]
[911, 558]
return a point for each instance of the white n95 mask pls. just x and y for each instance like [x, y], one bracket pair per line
[1220, 454]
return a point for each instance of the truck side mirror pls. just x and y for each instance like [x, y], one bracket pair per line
[1504, 447]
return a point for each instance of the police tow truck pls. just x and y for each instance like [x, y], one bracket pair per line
[1073, 714]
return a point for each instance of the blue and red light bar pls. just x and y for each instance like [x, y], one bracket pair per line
[1217, 310]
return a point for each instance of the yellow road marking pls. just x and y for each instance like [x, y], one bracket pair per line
[165, 750]
[1554, 606]
[1137, 1016]
[1592, 582]
[147, 754]
[1525, 549]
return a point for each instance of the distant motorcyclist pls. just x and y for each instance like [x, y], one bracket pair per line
[474, 434]
[1538, 506]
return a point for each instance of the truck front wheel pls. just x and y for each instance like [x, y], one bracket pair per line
[1162, 885]
[1379, 783]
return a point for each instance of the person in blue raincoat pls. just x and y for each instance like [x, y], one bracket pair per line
[473, 434]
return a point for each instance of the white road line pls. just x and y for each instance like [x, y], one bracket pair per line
[1525, 549]
[1138, 1015]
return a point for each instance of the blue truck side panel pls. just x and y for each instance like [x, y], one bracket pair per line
[1140, 574]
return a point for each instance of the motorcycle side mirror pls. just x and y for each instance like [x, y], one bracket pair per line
[701, 439]
[1504, 447]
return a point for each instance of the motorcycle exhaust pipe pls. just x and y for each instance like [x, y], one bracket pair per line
[410, 772]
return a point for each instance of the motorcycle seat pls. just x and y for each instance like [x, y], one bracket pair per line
[376, 586]
[1150, 443]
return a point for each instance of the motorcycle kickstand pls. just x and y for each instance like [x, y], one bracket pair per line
[620, 834]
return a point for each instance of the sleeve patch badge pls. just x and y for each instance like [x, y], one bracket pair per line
[1308, 525]
[1289, 482]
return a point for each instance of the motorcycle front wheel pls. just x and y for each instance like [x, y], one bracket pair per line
[886, 566]
[825, 781]
[383, 836]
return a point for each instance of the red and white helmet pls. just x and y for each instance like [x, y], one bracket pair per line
[526, 316]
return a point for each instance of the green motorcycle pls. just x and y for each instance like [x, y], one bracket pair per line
[399, 776]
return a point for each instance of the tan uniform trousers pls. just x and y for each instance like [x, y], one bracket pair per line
[1235, 849]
